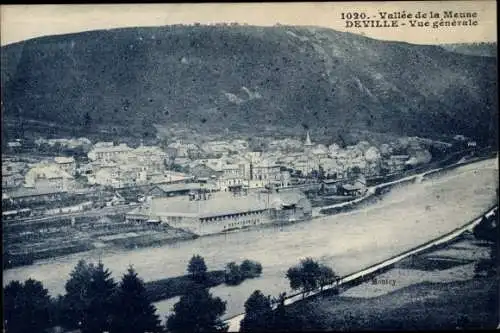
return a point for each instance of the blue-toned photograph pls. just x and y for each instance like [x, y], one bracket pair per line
[250, 167]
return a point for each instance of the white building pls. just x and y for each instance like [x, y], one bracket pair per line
[48, 176]
[217, 147]
[67, 164]
[266, 171]
[105, 152]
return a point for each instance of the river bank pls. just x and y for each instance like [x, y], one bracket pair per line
[91, 233]
[438, 289]
[409, 215]
[373, 272]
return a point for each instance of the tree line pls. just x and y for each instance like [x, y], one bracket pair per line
[95, 302]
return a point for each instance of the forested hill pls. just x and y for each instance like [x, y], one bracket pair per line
[245, 77]
[480, 49]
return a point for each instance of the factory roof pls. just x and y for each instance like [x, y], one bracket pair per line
[169, 188]
[285, 198]
[221, 204]
[218, 204]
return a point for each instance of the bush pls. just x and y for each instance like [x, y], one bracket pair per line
[233, 274]
[250, 269]
[309, 275]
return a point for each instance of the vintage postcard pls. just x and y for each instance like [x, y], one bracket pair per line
[250, 167]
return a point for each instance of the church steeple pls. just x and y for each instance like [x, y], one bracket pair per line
[308, 142]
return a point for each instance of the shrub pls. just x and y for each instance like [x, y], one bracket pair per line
[250, 269]
[233, 274]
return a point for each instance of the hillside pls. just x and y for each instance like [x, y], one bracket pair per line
[244, 78]
[479, 49]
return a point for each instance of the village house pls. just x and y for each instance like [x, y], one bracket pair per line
[232, 174]
[151, 157]
[357, 188]
[12, 173]
[106, 151]
[184, 150]
[266, 171]
[47, 176]
[11, 180]
[320, 152]
[396, 163]
[67, 164]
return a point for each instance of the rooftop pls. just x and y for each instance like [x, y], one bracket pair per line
[354, 187]
[168, 188]
[285, 198]
[63, 160]
[48, 171]
[106, 148]
[28, 192]
[219, 204]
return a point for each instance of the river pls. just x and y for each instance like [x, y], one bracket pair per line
[407, 216]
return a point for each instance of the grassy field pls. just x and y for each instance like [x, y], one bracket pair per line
[467, 304]
[439, 289]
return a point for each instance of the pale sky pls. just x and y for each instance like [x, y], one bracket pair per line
[21, 22]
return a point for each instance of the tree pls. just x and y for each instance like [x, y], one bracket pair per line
[487, 230]
[74, 304]
[294, 276]
[308, 275]
[101, 290]
[257, 307]
[26, 307]
[250, 268]
[321, 173]
[197, 311]
[197, 268]
[233, 274]
[484, 230]
[88, 299]
[177, 168]
[132, 310]
[326, 276]
[87, 121]
[278, 320]
[356, 170]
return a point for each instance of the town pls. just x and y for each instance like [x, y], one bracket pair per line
[203, 168]
[74, 195]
